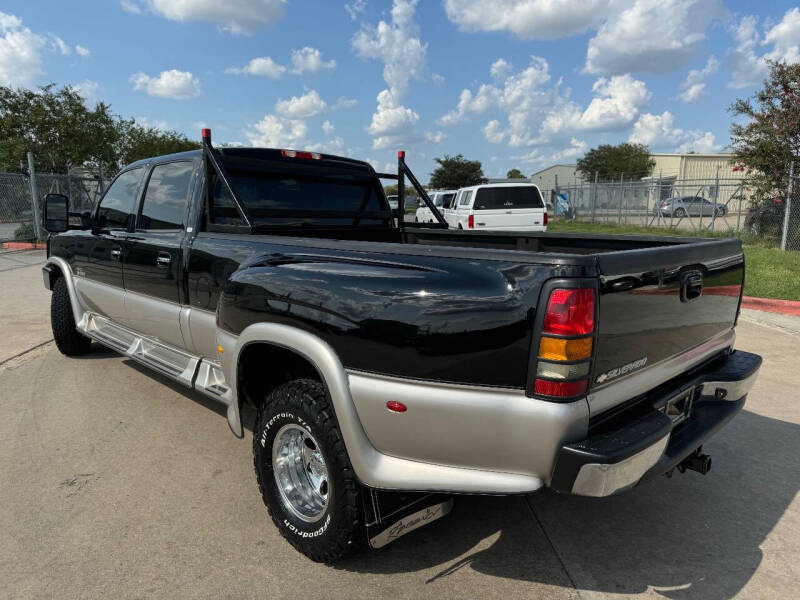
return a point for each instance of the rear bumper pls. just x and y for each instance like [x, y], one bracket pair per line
[621, 455]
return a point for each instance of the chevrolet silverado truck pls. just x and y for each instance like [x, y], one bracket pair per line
[392, 367]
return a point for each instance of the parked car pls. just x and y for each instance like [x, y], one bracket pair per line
[766, 218]
[498, 206]
[690, 206]
[440, 199]
[388, 367]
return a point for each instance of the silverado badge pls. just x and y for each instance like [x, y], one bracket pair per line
[623, 370]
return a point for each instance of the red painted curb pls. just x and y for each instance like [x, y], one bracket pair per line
[23, 246]
[784, 307]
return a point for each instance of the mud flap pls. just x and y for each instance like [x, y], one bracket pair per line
[391, 515]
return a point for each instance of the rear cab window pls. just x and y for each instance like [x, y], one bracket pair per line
[508, 198]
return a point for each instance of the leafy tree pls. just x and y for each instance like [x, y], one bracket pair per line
[56, 126]
[136, 142]
[632, 161]
[767, 139]
[455, 172]
[515, 174]
[62, 132]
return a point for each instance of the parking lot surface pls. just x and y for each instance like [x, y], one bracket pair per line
[117, 483]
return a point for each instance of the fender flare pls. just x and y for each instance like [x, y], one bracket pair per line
[66, 272]
[372, 468]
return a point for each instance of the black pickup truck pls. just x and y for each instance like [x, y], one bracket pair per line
[392, 366]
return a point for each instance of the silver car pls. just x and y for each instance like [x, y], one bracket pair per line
[690, 206]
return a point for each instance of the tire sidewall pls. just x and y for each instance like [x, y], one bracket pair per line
[296, 530]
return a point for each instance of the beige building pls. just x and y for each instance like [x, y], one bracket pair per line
[695, 166]
[556, 176]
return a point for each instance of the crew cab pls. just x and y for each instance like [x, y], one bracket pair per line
[499, 206]
[391, 366]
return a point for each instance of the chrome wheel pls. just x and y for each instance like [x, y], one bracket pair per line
[300, 473]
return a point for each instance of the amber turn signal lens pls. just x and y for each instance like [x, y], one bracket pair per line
[561, 349]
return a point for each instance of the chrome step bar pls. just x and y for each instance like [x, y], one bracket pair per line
[192, 371]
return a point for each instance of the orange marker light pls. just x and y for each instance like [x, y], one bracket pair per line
[220, 349]
[561, 349]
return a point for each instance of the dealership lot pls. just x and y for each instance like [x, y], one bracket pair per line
[117, 483]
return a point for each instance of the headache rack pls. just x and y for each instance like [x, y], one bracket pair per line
[215, 167]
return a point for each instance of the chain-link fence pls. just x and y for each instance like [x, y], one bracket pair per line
[696, 205]
[790, 221]
[18, 211]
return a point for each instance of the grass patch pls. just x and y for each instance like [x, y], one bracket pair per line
[770, 273]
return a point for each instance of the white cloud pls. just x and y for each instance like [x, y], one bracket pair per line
[695, 83]
[276, 132]
[540, 19]
[616, 105]
[435, 138]
[328, 127]
[158, 124]
[306, 106]
[785, 38]
[174, 84]
[493, 132]
[392, 124]
[343, 102]
[88, 90]
[61, 46]
[235, 16]
[481, 101]
[655, 36]
[82, 51]
[263, 66]
[21, 62]
[437, 79]
[309, 59]
[355, 8]
[500, 69]
[397, 44]
[659, 131]
[576, 148]
[746, 66]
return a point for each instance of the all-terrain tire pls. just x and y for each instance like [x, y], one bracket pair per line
[339, 529]
[68, 340]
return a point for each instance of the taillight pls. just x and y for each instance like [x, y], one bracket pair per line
[544, 220]
[301, 154]
[471, 222]
[570, 312]
[565, 348]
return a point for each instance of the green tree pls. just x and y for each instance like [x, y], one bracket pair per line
[765, 135]
[57, 127]
[515, 174]
[633, 161]
[455, 172]
[136, 142]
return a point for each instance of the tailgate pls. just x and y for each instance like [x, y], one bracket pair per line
[498, 219]
[657, 303]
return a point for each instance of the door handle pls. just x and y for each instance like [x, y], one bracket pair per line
[163, 259]
[116, 252]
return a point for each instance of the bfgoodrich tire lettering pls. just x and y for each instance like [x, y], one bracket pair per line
[337, 529]
[68, 340]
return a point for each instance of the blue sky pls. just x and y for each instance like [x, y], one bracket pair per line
[514, 83]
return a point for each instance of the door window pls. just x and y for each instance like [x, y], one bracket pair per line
[166, 197]
[465, 198]
[118, 205]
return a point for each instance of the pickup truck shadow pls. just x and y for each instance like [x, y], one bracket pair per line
[686, 537]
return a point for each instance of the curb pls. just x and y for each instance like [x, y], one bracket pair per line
[24, 246]
[783, 307]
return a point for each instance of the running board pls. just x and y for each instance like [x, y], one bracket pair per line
[192, 371]
[391, 515]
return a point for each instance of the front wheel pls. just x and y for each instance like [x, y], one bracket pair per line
[680, 213]
[304, 473]
[68, 339]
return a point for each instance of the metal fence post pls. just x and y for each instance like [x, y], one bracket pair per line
[594, 196]
[37, 221]
[716, 195]
[788, 207]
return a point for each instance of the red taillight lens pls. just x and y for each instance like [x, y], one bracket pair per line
[570, 312]
[471, 222]
[563, 389]
[301, 154]
[544, 221]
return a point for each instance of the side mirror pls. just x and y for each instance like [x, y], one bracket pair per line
[56, 213]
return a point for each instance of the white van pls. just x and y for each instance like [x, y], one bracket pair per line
[441, 199]
[505, 206]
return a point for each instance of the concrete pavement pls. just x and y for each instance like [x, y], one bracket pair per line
[117, 483]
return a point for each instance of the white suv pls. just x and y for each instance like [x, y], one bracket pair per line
[441, 199]
[505, 206]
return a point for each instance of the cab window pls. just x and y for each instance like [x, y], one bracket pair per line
[167, 197]
[117, 207]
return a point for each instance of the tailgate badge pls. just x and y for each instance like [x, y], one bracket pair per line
[623, 370]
